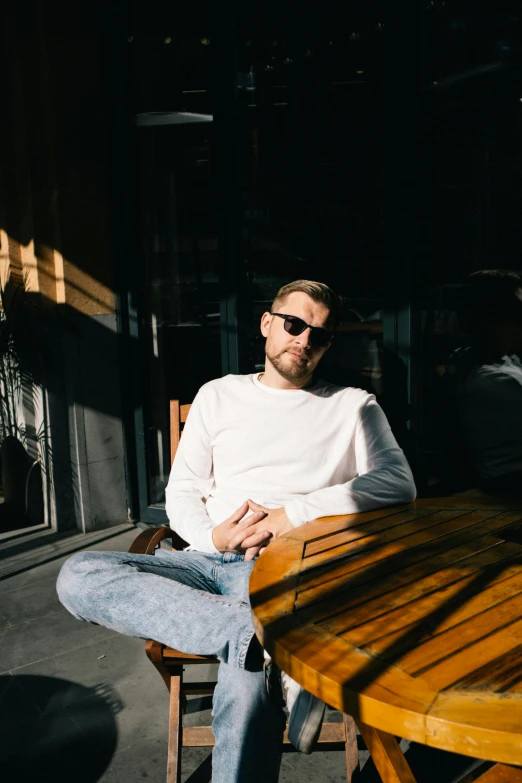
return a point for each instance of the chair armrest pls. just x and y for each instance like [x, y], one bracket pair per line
[148, 540]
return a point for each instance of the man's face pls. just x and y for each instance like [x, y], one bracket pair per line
[294, 357]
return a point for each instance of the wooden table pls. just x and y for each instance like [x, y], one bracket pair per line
[410, 619]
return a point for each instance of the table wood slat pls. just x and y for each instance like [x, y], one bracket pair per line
[415, 656]
[402, 537]
[378, 523]
[396, 541]
[468, 558]
[500, 676]
[472, 657]
[408, 602]
[388, 628]
[314, 585]
[331, 525]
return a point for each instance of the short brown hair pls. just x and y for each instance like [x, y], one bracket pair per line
[319, 292]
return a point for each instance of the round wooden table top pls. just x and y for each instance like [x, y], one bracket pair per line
[408, 618]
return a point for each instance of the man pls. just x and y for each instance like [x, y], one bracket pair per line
[259, 455]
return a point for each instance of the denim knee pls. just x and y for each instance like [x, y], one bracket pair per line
[71, 579]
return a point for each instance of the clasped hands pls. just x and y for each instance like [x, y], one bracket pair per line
[250, 529]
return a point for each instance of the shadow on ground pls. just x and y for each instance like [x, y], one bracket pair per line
[54, 729]
[428, 765]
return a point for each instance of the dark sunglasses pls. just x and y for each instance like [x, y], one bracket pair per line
[294, 326]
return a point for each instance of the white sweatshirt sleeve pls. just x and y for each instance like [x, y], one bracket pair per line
[384, 476]
[190, 481]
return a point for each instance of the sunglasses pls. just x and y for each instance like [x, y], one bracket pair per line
[293, 325]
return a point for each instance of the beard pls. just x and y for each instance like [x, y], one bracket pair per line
[291, 369]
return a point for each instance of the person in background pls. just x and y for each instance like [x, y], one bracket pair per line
[489, 382]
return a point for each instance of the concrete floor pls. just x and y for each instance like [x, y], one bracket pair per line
[81, 703]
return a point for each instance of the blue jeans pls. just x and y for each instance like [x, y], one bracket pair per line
[197, 603]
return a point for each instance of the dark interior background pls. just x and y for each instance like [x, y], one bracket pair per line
[204, 154]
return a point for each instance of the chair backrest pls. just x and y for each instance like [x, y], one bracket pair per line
[178, 417]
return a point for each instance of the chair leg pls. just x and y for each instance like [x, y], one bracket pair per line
[351, 749]
[386, 755]
[175, 727]
[496, 773]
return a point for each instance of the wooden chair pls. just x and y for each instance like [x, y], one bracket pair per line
[170, 663]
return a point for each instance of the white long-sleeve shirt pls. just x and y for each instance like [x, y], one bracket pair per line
[318, 451]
